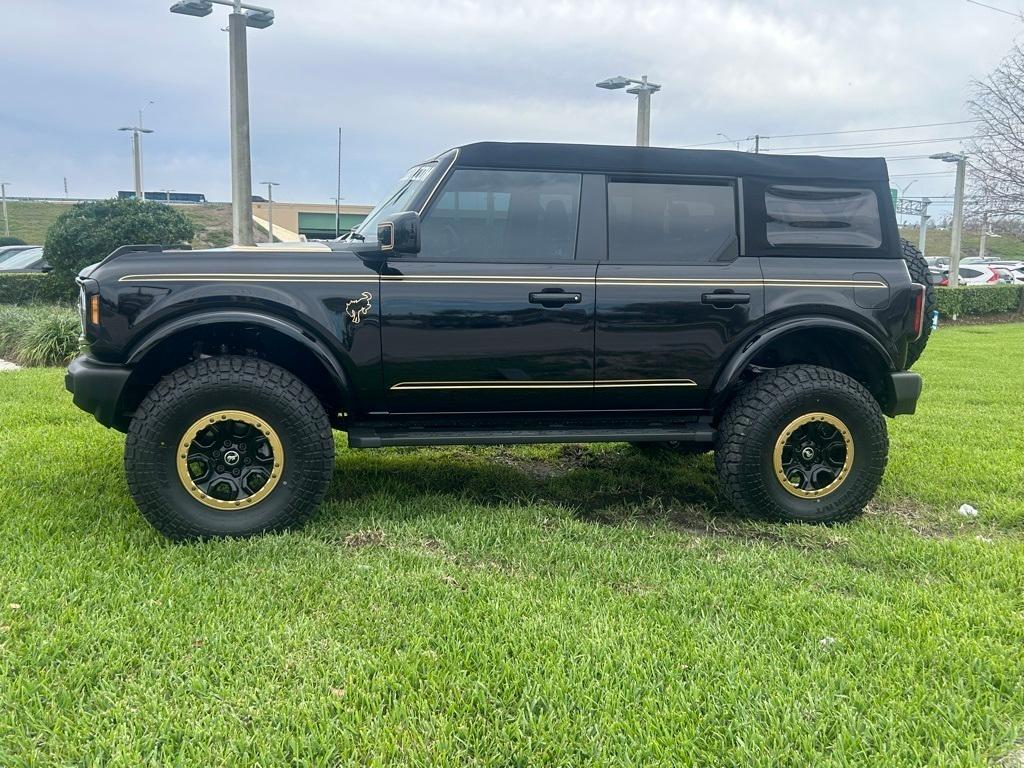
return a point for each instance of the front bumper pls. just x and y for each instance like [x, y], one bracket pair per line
[904, 389]
[97, 388]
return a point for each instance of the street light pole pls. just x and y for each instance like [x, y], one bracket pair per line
[642, 89]
[270, 207]
[3, 196]
[925, 202]
[241, 162]
[337, 200]
[958, 211]
[137, 130]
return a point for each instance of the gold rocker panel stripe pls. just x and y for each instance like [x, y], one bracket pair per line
[407, 385]
[504, 280]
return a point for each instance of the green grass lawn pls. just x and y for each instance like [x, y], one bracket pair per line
[533, 606]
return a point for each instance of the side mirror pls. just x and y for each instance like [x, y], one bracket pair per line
[400, 234]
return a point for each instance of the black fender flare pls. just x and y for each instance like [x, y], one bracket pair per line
[730, 373]
[272, 322]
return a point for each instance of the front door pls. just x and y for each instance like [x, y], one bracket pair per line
[494, 314]
[674, 294]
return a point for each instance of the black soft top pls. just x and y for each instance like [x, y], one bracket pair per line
[610, 159]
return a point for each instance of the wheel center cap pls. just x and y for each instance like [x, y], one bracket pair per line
[231, 458]
[807, 453]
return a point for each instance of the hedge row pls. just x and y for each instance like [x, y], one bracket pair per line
[35, 288]
[39, 335]
[979, 299]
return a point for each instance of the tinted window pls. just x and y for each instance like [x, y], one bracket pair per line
[968, 272]
[666, 223]
[823, 216]
[503, 216]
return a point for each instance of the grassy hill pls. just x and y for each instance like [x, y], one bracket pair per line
[30, 220]
[938, 243]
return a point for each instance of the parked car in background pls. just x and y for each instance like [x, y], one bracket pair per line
[9, 251]
[27, 260]
[937, 262]
[972, 274]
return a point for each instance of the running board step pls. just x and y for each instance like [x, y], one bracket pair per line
[381, 437]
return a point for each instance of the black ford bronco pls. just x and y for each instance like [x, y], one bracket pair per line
[760, 306]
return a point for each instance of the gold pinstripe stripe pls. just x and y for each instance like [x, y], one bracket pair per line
[667, 282]
[407, 385]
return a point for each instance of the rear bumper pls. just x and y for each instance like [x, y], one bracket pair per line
[904, 391]
[97, 388]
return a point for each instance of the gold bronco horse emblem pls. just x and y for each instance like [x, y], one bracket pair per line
[356, 308]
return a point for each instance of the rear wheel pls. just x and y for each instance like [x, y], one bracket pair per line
[228, 446]
[802, 443]
[918, 269]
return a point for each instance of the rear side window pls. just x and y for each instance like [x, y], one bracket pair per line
[484, 215]
[823, 216]
[652, 223]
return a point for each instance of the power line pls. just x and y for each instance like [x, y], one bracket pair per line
[839, 133]
[1017, 16]
[903, 143]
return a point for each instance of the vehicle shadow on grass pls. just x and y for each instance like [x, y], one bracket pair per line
[610, 484]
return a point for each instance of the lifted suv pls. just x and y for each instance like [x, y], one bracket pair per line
[761, 306]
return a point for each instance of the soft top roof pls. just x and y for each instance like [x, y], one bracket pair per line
[611, 159]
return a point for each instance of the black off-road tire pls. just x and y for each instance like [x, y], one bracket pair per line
[228, 383]
[673, 447]
[918, 269]
[760, 413]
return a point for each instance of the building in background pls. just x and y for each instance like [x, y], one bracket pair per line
[313, 220]
[166, 197]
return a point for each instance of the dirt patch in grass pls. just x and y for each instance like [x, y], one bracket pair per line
[362, 539]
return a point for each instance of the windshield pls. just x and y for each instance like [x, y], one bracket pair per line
[397, 201]
[23, 259]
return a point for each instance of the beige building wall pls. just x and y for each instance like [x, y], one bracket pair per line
[287, 214]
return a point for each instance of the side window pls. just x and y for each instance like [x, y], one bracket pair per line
[520, 216]
[823, 216]
[671, 223]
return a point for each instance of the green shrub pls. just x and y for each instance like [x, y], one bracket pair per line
[88, 232]
[38, 335]
[35, 288]
[978, 299]
[9, 240]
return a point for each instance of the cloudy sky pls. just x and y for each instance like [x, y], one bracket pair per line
[408, 78]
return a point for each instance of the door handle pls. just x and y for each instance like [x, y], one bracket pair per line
[725, 299]
[552, 299]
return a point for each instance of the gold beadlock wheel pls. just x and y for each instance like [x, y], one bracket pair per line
[230, 460]
[813, 455]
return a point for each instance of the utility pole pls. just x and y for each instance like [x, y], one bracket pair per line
[167, 196]
[337, 200]
[270, 207]
[65, 187]
[757, 143]
[984, 235]
[923, 235]
[3, 196]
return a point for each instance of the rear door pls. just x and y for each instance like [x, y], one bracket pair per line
[675, 293]
[494, 314]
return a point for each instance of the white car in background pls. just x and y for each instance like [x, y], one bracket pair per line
[971, 274]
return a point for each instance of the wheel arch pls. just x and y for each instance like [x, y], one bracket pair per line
[258, 334]
[826, 341]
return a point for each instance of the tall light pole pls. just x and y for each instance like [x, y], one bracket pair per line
[337, 200]
[167, 195]
[643, 90]
[3, 196]
[958, 210]
[925, 202]
[242, 15]
[137, 155]
[270, 206]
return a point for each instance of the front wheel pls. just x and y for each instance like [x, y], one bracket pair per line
[228, 447]
[804, 444]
